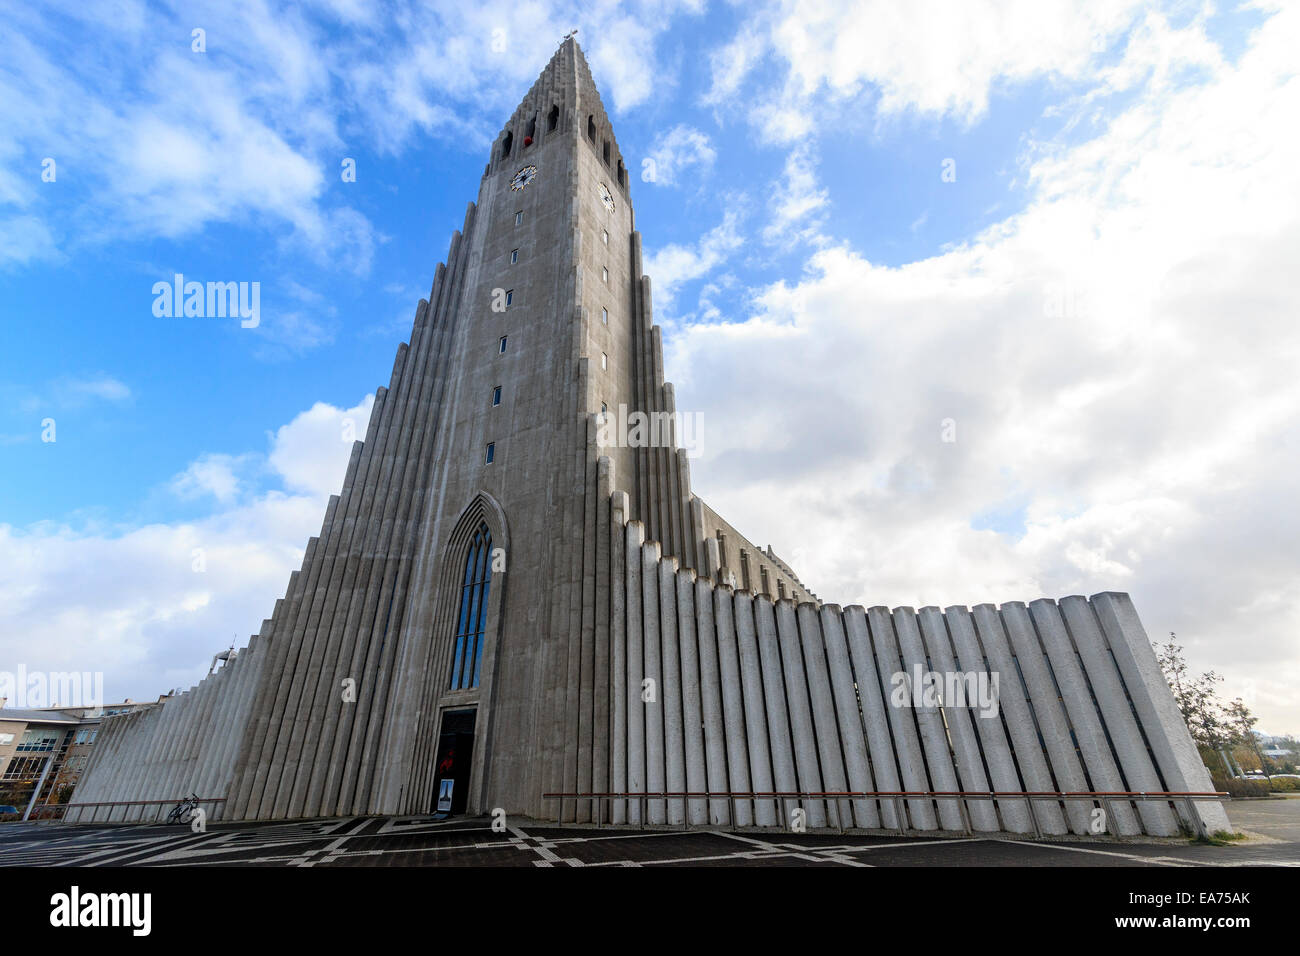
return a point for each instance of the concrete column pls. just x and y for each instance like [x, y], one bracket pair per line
[672, 688]
[884, 765]
[959, 715]
[692, 708]
[969, 657]
[840, 671]
[934, 737]
[1088, 732]
[784, 775]
[619, 673]
[801, 720]
[1101, 674]
[601, 664]
[751, 677]
[636, 733]
[715, 736]
[733, 704]
[992, 629]
[902, 720]
[823, 711]
[1175, 752]
[654, 708]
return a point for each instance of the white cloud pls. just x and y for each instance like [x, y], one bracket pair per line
[676, 151]
[675, 264]
[149, 605]
[213, 475]
[1119, 361]
[796, 202]
[311, 452]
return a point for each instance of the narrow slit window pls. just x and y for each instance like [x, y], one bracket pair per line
[604, 360]
[501, 346]
[604, 275]
[496, 396]
[491, 454]
[553, 119]
[519, 217]
[514, 256]
[510, 296]
[604, 235]
[604, 316]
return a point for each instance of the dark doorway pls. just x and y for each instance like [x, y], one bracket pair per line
[455, 748]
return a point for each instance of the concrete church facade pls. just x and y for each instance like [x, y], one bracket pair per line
[503, 604]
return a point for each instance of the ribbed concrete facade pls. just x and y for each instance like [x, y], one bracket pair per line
[607, 572]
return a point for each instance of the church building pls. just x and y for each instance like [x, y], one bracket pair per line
[516, 595]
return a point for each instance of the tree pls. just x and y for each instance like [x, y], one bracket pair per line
[1211, 725]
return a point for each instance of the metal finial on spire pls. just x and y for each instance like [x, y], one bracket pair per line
[571, 33]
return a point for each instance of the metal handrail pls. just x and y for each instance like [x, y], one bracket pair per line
[895, 797]
[40, 811]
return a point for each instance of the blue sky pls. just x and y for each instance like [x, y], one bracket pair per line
[803, 243]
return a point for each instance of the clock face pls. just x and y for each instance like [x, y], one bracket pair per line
[523, 177]
[606, 198]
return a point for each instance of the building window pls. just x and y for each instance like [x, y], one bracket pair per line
[510, 296]
[519, 217]
[604, 360]
[506, 144]
[591, 128]
[496, 396]
[491, 453]
[553, 118]
[604, 410]
[514, 256]
[604, 275]
[605, 152]
[475, 587]
[604, 316]
[604, 235]
[501, 350]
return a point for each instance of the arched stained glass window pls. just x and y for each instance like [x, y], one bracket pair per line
[468, 653]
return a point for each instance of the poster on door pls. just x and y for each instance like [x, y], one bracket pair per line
[444, 796]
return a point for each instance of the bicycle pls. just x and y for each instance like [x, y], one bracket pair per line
[184, 811]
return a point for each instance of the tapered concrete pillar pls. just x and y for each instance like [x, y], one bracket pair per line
[670, 649]
[654, 698]
[1175, 752]
[697, 780]
[992, 629]
[1089, 735]
[619, 674]
[840, 671]
[715, 735]
[884, 763]
[784, 772]
[902, 722]
[1121, 729]
[636, 734]
[820, 695]
[733, 705]
[969, 657]
[751, 677]
[959, 716]
[803, 733]
[929, 720]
